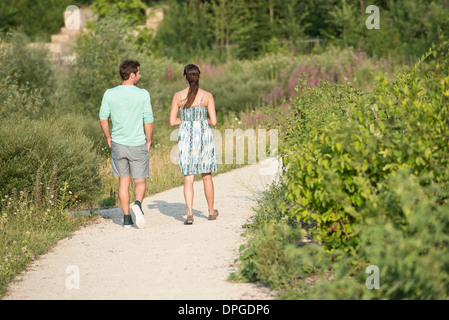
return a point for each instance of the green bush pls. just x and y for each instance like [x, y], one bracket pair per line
[236, 93]
[371, 171]
[28, 145]
[19, 101]
[409, 246]
[276, 254]
[133, 11]
[25, 64]
[337, 170]
[272, 257]
[27, 78]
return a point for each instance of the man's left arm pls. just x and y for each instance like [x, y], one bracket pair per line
[149, 133]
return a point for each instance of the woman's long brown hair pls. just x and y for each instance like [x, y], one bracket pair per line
[192, 73]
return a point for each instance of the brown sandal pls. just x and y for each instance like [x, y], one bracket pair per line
[213, 216]
[189, 219]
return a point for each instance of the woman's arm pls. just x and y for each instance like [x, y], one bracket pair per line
[212, 120]
[174, 120]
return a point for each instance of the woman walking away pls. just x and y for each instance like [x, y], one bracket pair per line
[197, 153]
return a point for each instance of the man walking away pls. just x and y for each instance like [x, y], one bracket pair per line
[132, 128]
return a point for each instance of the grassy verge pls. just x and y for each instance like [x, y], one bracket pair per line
[27, 233]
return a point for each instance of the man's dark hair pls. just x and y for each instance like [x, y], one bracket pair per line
[127, 67]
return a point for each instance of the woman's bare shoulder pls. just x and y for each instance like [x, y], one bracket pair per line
[208, 96]
[177, 99]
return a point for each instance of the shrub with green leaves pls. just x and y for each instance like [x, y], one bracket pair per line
[406, 235]
[341, 167]
[371, 171]
[276, 254]
[133, 11]
[273, 257]
[411, 247]
[28, 145]
[26, 63]
[26, 77]
[19, 101]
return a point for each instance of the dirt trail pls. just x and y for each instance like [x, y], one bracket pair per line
[166, 260]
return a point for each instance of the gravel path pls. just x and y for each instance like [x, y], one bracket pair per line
[166, 260]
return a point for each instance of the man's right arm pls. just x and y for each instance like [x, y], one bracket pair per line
[105, 127]
[104, 115]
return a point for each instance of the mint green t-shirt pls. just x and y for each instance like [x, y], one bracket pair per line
[129, 107]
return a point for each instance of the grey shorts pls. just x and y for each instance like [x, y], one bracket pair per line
[134, 161]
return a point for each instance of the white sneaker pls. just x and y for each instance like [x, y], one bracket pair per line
[140, 219]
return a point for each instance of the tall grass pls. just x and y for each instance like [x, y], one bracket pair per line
[30, 224]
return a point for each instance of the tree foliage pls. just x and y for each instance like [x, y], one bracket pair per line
[133, 11]
[249, 28]
[38, 18]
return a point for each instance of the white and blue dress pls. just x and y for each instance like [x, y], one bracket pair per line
[196, 144]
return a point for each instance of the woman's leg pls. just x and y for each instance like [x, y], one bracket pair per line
[209, 191]
[188, 192]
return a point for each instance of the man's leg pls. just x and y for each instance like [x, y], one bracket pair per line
[120, 169]
[139, 193]
[139, 167]
[139, 189]
[123, 193]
